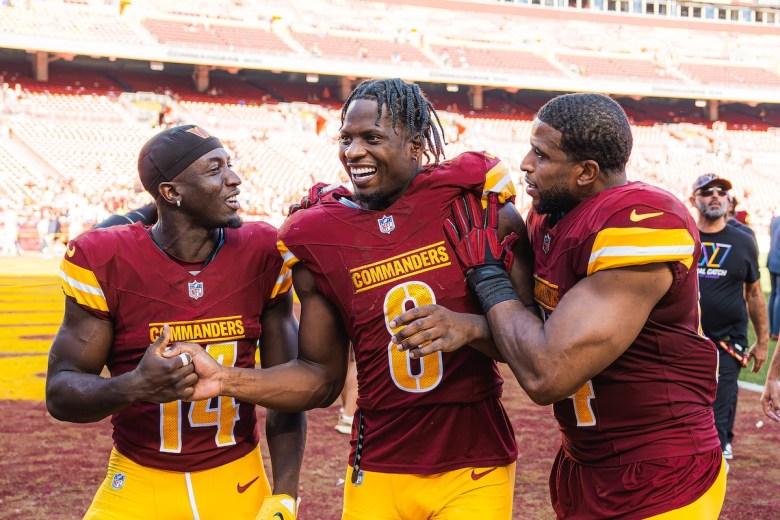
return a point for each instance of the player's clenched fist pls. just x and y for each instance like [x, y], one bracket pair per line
[279, 507]
[159, 379]
[207, 369]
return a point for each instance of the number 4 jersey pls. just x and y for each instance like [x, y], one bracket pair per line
[439, 413]
[653, 401]
[120, 274]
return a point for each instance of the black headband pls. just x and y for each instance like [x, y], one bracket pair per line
[170, 152]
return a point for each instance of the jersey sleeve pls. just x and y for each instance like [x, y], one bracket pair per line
[640, 235]
[475, 171]
[288, 257]
[498, 180]
[283, 283]
[263, 242]
[80, 282]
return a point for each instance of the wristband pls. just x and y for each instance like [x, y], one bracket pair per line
[491, 285]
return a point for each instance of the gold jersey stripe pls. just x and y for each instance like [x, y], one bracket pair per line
[82, 285]
[288, 258]
[621, 247]
[283, 282]
[498, 180]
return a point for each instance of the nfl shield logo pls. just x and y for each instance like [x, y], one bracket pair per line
[546, 244]
[386, 224]
[196, 289]
[118, 481]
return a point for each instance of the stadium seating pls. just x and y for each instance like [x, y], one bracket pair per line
[68, 21]
[91, 140]
[436, 34]
[78, 125]
[216, 36]
[710, 73]
[617, 67]
[360, 47]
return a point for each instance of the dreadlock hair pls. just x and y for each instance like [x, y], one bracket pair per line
[592, 127]
[407, 101]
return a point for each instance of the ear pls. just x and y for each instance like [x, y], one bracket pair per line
[589, 173]
[169, 193]
[415, 150]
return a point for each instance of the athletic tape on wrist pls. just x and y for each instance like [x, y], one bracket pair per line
[491, 285]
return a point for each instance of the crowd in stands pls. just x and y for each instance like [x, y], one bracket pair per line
[68, 146]
[61, 175]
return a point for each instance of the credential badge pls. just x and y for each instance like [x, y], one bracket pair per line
[386, 224]
[546, 244]
[196, 289]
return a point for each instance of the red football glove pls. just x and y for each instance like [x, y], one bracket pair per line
[484, 258]
[315, 194]
[473, 232]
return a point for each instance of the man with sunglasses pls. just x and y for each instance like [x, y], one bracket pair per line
[730, 294]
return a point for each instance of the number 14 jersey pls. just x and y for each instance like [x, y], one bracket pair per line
[119, 274]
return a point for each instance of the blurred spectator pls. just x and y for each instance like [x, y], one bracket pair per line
[53, 230]
[10, 235]
[731, 293]
[43, 230]
[773, 264]
[738, 219]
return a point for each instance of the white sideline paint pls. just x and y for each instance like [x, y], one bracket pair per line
[753, 387]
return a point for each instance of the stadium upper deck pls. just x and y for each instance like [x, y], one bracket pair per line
[461, 43]
[241, 68]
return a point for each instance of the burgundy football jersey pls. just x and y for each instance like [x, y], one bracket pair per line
[438, 413]
[654, 400]
[119, 274]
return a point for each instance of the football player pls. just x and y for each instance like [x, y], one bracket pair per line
[196, 275]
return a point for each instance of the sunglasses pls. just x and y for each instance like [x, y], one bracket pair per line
[709, 192]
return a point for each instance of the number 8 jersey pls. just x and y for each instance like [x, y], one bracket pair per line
[421, 416]
[119, 274]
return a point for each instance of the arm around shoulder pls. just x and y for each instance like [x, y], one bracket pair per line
[554, 358]
[521, 271]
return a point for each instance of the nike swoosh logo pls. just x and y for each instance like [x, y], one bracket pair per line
[243, 488]
[635, 217]
[477, 476]
[280, 516]
[70, 250]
